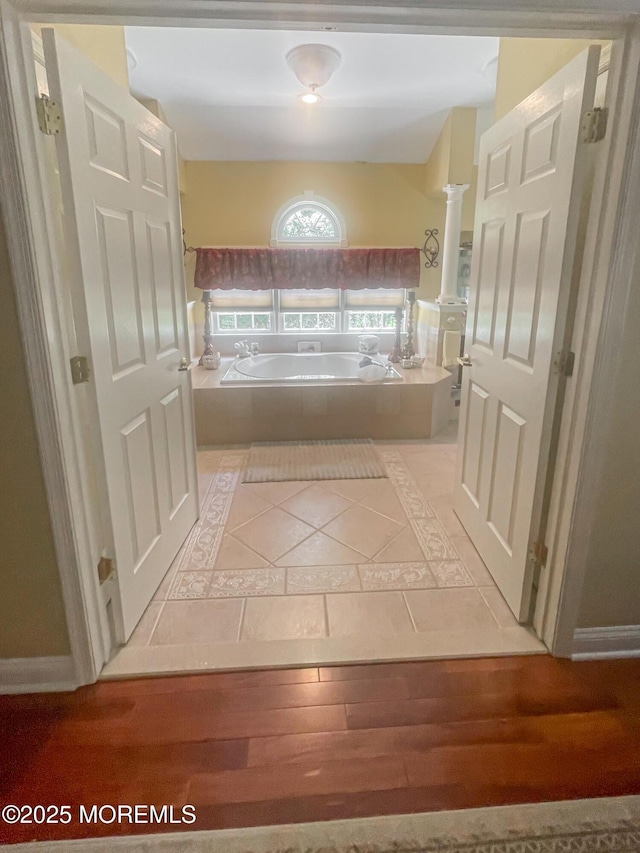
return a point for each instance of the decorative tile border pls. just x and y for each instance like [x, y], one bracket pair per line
[201, 548]
[434, 542]
[406, 488]
[451, 573]
[442, 566]
[229, 583]
[188, 585]
[326, 579]
[378, 576]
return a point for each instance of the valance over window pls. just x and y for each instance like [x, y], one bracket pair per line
[308, 268]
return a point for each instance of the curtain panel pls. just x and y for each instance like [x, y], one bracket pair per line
[308, 268]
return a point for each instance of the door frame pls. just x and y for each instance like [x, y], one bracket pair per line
[607, 273]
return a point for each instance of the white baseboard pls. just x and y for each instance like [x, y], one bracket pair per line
[619, 641]
[37, 675]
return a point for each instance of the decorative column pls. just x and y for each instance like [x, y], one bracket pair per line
[451, 245]
[208, 324]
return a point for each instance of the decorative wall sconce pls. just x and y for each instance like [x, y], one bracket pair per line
[431, 248]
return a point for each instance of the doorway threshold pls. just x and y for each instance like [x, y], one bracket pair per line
[326, 651]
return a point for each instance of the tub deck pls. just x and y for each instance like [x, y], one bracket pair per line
[418, 407]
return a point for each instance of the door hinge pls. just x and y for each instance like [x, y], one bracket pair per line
[80, 370]
[49, 116]
[106, 568]
[564, 363]
[538, 552]
[594, 125]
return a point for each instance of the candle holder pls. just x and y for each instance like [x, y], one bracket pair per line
[208, 325]
[395, 356]
[408, 351]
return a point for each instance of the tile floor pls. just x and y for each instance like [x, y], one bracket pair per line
[329, 571]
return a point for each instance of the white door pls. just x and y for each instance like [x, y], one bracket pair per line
[530, 192]
[118, 172]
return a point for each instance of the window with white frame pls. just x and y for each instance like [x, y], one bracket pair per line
[239, 311]
[307, 220]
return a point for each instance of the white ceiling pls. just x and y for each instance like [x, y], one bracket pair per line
[230, 95]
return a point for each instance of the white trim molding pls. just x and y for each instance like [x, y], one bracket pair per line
[37, 675]
[618, 641]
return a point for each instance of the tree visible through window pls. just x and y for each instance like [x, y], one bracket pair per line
[309, 223]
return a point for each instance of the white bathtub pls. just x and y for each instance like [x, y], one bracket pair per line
[299, 367]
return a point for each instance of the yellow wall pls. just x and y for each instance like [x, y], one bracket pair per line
[233, 204]
[32, 621]
[104, 45]
[451, 160]
[525, 64]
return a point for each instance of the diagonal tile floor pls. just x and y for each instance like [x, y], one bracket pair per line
[330, 571]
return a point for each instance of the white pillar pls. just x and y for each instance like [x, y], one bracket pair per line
[451, 243]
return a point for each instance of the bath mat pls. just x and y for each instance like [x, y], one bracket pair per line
[342, 459]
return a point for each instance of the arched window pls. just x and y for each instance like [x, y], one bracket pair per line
[308, 220]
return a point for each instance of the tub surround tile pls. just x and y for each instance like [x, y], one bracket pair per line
[233, 554]
[290, 617]
[368, 613]
[273, 533]
[449, 610]
[322, 579]
[240, 582]
[320, 550]
[416, 407]
[363, 530]
[316, 505]
[315, 402]
[396, 576]
[195, 622]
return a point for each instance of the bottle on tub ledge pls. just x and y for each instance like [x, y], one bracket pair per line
[368, 344]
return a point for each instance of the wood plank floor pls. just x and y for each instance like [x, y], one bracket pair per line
[279, 746]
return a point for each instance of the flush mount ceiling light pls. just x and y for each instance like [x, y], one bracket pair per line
[313, 65]
[310, 97]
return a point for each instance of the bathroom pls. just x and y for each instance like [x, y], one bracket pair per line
[327, 268]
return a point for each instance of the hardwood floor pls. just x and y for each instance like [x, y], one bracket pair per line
[281, 746]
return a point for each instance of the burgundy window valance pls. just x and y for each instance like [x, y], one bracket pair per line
[309, 268]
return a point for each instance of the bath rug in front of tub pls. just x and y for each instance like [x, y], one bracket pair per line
[342, 459]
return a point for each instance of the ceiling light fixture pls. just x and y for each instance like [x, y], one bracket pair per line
[310, 97]
[313, 65]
